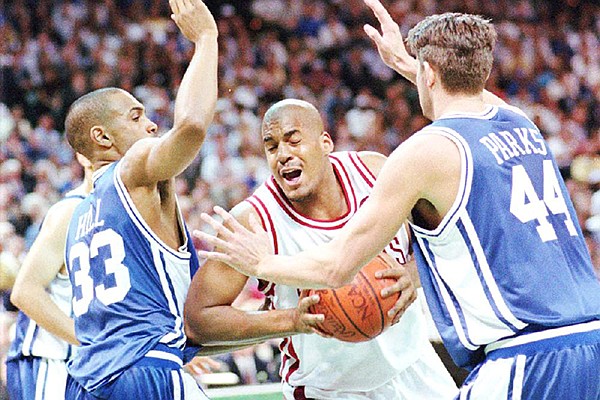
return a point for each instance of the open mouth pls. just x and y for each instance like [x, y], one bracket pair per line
[291, 176]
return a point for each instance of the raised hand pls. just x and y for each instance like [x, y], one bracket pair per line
[390, 43]
[236, 246]
[193, 18]
[404, 285]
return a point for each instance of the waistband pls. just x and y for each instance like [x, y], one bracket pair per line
[162, 356]
[553, 338]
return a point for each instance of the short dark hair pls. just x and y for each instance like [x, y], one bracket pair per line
[85, 112]
[459, 46]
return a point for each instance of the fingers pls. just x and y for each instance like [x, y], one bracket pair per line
[175, 6]
[373, 34]
[393, 273]
[406, 299]
[217, 226]
[380, 12]
[215, 256]
[305, 303]
[228, 220]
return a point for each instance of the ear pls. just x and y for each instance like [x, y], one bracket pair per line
[429, 74]
[326, 142]
[99, 136]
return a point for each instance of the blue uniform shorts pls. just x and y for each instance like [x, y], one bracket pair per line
[35, 378]
[149, 379]
[559, 363]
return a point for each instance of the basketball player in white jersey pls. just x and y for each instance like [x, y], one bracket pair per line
[501, 258]
[312, 193]
[45, 333]
[129, 255]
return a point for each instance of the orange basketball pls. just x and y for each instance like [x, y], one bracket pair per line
[356, 312]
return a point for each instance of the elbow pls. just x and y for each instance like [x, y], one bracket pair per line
[192, 325]
[17, 297]
[193, 127]
[191, 334]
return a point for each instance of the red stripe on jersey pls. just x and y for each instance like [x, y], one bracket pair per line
[282, 201]
[261, 210]
[345, 183]
[362, 169]
[397, 247]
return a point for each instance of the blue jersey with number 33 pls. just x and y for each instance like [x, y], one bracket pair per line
[509, 256]
[128, 286]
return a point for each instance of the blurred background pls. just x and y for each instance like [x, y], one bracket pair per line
[547, 62]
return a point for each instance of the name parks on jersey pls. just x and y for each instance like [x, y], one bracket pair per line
[89, 220]
[505, 145]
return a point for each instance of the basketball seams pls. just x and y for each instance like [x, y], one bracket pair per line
[374, 293]
[341, 307]
[350, 314]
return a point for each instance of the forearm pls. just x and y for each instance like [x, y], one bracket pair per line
[211, 350]
[226, 325]
[197, 94]
[40, 307]
[305, 270]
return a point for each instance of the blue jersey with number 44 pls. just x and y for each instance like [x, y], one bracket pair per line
[509, 257]
[128, 286]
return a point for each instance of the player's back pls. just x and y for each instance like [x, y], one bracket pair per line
[511, 237]
[128, 286]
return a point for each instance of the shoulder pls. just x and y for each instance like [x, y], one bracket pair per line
[132, 165]
[62, 210]
[373, 161]
[58, 217]
[242, 212]
[514, 109]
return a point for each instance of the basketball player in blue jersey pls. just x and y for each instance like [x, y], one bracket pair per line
[311, 194]
[45, 333]
[129, 255]
[501, 258]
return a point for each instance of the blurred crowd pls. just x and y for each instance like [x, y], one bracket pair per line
[547, 62]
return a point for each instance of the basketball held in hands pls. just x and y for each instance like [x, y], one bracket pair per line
[356, 312]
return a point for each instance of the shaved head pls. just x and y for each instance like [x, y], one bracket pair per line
[308, 113]
[89, 110]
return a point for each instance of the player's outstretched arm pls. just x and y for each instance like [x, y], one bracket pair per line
[391, 48]
[211, 319]
[150, 161]
[424, 166]
[41, 265]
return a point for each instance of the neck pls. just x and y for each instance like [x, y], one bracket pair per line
[457, 103]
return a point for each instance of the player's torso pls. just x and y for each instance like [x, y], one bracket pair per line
[128, 286]
[512, 219]
[311, 360]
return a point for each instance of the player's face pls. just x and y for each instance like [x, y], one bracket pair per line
[296, 154]
[130, 122]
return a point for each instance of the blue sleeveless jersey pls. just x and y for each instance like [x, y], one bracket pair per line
[509, 257]
[128, 286]
[32, 340]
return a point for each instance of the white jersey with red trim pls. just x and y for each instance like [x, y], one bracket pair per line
[309, 360]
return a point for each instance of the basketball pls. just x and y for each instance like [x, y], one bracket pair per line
[356, 312]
